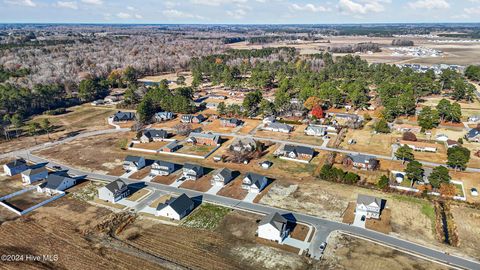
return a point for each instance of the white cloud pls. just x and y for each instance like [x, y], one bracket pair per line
[472, 10]
[93, 2]
[309, 7]
[362, 6]
[218, 2]
[67, 4]
[130, 8]
[429, 4]
[26, 3]
[173, 13]
[237, 14]
[124, 15]
[138, 16]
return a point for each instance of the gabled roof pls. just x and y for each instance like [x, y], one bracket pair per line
[360, 158]
[472, 133]
[298, 149]
[116, 187]
[225, 173]
[278, 125]
[179, 204]
[171, 145]
[317, 128]
[124, 115]
[167, 114]
[35, 171]
[231, 120]
[55, 180]
[210, 136]
[16, 163]
[133, 158]
[368, 200]
[155, 133]
[244, 141]
[162, 163]
[274, 219]
[194, 167]
[187, 116]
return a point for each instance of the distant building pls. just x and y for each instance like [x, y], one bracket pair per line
[56, 183]
[230, 122]
[204, 139]
[254, 182]
[163, 116]
[473, 135]
[114, 191]
[273, 227]
[123, 116]
[364, 162]
[222, 177]
[278, 127]
[298, 152]
[420, 146]
[474, 118]
[243, 144]
[407, 128]
[171, 147]
[192, 171]
[369, 206]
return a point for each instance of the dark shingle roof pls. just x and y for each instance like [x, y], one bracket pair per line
[275, 219]
[30, 172]
[125, 115]
[16, 163]
[155, 133]
[472, 133]
[54, 181]
[191, 166]
[133, 158]
[360, 158]
[179, 204]
[226, 174]
[366, 200]
[116, 187]
[298, 149]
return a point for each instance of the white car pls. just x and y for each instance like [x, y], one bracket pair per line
[474, 192]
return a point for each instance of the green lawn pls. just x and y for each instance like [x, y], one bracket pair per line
[206, 216]
[459, 190]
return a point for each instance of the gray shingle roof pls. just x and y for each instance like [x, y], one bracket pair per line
[16, 163]
[226, 174]
[133, 158]
[191, 166]
[30, 172]
[116, 187]
[179, 204]
[360, 158]
[124, 115]
[299, 149]
[472, 133]
[54, 181]
[155, 133]
[275, 219]
[366, 200]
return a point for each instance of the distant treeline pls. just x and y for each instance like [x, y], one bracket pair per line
[402, 42]
[360, 47]
[269, 39]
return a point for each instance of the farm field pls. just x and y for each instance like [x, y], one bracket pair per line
[347, 252]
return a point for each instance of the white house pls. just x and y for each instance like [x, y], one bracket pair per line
[222, 177]
[268, 119]
[133, 163]
[160, 167]
[254, 182]
[163, 116]
[316, 130]
[441, 138]
[176, 208]
[15, 167]
[155, 135]
[278, 127]
[114, 191]
[56, 183]
[273, 227]
[33, 175]
[420, 146]
[192, 171]
[369, 206]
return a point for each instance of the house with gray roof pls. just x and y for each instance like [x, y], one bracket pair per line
[230, 122]
[33, 175]
[114, 191]
[297, 153]
[192, 171]
[474, 118]
[278, 127]
[273, 227]
[155, 135]
[171, 147]
[369, 206]
[222, 177]
[204, 138]
[243, 144]
[133, 163]
[160, 167]
[473, 135]
[15, 167]
[254, 182]
[360, 161]
[56, 183]
[123, 116]
[176, 208]
[163, 116]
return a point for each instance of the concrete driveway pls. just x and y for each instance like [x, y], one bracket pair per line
[214, 189]
[250, 197]
[358, 221]
[296, 243]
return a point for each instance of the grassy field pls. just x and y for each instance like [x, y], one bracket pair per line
[206, 216]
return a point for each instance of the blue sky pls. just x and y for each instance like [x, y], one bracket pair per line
[239, 11]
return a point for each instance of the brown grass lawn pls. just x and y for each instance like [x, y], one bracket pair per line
[470, 180]
[380, 225]
[144, 172]
[9, 184]
[151, 145]
[474, 148]
[117, 171]
[203, 184]
[138, 195]
[300, 232]
[109, 204]
[269, 243]
[215, 126]
[166, 180]
[298, 135]
[349, 214]
[161, 199]
[367, 142]
[248, 125]
[199, 150]
[27, 199]
[234, 189]
[467, 220]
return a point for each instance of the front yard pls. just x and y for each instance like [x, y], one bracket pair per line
[206, 216]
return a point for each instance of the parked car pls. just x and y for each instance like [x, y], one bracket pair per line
[56, 167]
[322, 247]
[474, 192]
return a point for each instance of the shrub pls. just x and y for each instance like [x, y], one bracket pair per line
[409, 136]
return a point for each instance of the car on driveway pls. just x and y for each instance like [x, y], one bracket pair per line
[322, 247]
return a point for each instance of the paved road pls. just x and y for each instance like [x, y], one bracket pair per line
[323, 226]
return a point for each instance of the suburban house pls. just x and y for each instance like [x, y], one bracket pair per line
[175, 208]
[163, 116]
[154, 135]
[420, 146]
[114, 191]
[346, 117]
[243, 144]
[56, 183]
[211, 105]
[268, 120]
[192, 171]
[320, 130]
[474, 118]
[198, 119]
[133, 163]
[296, 152]
[186, 118]
[33, 175]
[441, 137]
[204, 138]
[15, 167]
[266, 164]
[407, 128]
[273, 227]
[359, 161]
[473, 135]
[230, 122]
[160, 167]
[451, 143]
[369, 206]
[123, 116]
[254, 182]
[222, 177]
[171, 147]
[278, 127]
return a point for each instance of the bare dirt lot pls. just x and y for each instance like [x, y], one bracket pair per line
[347, 252]
[467, 220]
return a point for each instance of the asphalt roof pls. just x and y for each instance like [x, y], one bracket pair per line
[360, 158]
[191, 166]
[16, 163]
[366, 200]
[116, 186]
[125, 115]
[155, 133]
[472, 133]
[275, 219]
[133, 158]
[226, 174]
[54, 181]
[179, 204]
[35, 171]
[298, 149]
